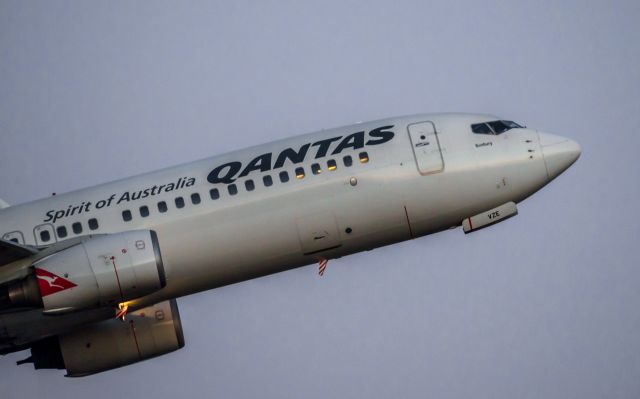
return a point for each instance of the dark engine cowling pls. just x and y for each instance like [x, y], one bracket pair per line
[153, 331]
[100, 271]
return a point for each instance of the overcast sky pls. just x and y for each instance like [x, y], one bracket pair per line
[546, 304]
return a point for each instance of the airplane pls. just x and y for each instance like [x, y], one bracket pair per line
[89, 279]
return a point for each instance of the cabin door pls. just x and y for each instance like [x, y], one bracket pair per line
[426, 147]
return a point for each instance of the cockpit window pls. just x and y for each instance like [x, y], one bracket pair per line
[513, 125]
[502, 126]
[494, 127]
[481, 128]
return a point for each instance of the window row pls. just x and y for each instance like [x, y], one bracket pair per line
[283, 176]
[249, 185]
[162, 207]
[76, 228]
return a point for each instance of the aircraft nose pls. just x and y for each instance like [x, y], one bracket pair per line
[558, 152]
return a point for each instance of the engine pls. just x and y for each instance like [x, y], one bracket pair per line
[100, 271]
[153, 331]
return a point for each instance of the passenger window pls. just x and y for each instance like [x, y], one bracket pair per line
[315, 169]
[364, 157]
[332, 165]
[62, 231]
[93, 224]
[347, 160]
[77, 227]
[214, 193]
[45, 236]
[233, 189]
[126, 215]
[267, 180]
[284, 176]
[179, 202]
[162, 207]
[195, 198]
[249, 185]
[144, 211]
[299, 173]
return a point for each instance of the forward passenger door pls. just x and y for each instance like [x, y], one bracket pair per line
[426, 147]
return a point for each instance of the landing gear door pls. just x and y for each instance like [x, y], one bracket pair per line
[426, 147]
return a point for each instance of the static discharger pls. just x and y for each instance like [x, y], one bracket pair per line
[492, 216]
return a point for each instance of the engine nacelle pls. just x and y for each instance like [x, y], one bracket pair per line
[153, 331]
[100, 271]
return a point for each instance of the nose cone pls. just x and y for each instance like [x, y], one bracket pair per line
[558, 152]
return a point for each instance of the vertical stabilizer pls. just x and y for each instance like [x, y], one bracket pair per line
[3, 204]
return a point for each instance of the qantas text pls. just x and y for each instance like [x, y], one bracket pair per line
[230, 171]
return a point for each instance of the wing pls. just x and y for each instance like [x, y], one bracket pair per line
[10, 251]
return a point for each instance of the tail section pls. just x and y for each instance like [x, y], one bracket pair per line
[3, 204]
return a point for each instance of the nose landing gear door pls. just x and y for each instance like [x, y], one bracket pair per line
[426, 147]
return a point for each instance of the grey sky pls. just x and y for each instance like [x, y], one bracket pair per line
[546, 304]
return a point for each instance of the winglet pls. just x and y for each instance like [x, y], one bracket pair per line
[3, 204]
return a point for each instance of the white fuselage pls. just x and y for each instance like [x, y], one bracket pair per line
[399, 189]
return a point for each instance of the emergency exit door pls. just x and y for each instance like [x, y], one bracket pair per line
[426, 147]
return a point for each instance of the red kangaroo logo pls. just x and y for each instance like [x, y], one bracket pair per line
[49, 283]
